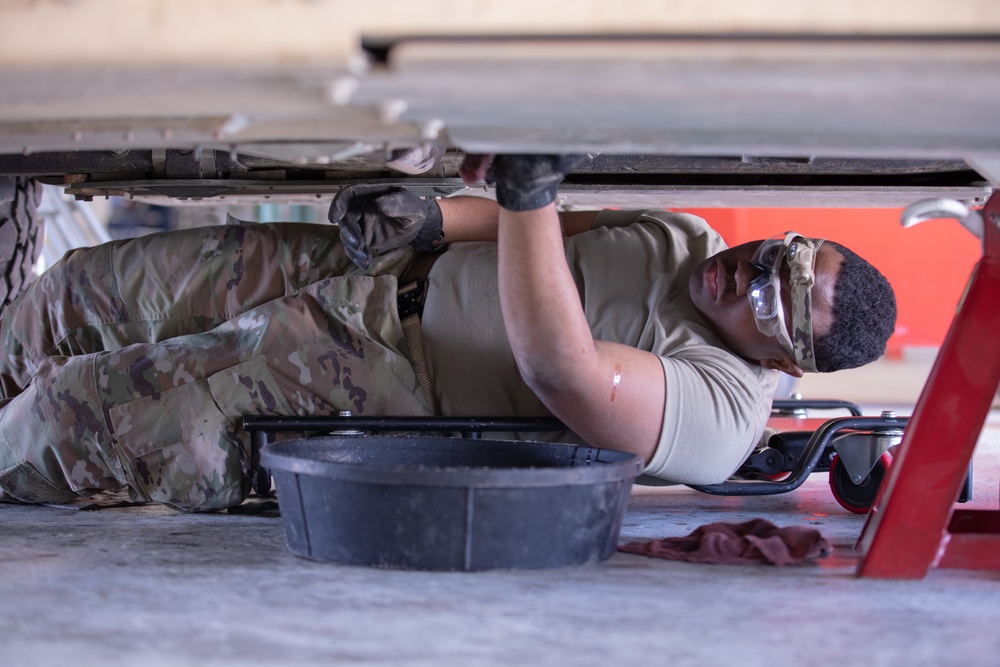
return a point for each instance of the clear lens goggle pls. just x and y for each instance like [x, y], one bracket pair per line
[765, 292]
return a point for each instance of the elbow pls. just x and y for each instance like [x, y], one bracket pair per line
[548, 376]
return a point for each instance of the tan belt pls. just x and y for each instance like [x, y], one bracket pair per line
[410, 303]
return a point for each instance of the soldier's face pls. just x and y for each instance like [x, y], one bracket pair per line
[719, 287]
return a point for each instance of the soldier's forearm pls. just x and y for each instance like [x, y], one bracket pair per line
[469, 219]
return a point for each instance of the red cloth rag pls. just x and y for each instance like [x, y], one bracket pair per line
[755, 541]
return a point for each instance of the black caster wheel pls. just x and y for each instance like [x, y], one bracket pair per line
[858, 497]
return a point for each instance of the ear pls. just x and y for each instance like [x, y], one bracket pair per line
[783, 364]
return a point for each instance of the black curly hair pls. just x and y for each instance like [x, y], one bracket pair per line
[864, 316]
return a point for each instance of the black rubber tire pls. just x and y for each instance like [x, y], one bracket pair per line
[21, 234]
[858, 497]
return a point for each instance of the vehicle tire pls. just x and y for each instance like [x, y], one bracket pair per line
[20, 235]
[858, 497]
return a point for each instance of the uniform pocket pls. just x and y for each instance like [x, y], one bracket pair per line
[28, 485]
[247, 389]
[184, 447]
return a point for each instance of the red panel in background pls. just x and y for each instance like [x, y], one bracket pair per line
[928, 265]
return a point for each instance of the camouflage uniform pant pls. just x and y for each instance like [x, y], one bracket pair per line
[131, 364]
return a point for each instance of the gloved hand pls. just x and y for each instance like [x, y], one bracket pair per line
[377, 218]
[528, 182]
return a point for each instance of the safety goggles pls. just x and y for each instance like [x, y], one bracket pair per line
[764, 293]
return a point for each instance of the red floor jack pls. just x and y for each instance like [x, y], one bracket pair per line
[913, 525]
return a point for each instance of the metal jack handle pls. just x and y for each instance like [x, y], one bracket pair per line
[933, 209]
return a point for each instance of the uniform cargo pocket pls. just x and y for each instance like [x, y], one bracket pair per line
[28, 485]
[248, 389]
[184, 447]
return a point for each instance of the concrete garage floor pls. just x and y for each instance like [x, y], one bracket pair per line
[147, 586]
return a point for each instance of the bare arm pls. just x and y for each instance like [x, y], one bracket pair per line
[476, 219]
[612, 395]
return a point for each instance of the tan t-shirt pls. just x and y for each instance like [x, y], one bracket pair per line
[632, 272]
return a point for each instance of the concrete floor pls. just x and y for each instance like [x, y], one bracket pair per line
[148, 586]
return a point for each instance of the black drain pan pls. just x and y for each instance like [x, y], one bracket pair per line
[432, 503]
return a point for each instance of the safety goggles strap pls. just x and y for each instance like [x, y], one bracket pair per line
[801, 258]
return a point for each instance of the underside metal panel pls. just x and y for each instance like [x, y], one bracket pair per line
[321, 83]
[571, 196]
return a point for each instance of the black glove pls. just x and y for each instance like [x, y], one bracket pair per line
[527, 182]
[377, 218]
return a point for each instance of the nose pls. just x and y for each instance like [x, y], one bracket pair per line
[744, 275]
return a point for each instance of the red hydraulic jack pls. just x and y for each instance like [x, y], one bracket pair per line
[914, 524]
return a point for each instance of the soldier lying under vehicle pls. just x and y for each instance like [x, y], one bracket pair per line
[131, 364]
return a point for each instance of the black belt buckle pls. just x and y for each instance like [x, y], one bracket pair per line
[410, 298]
